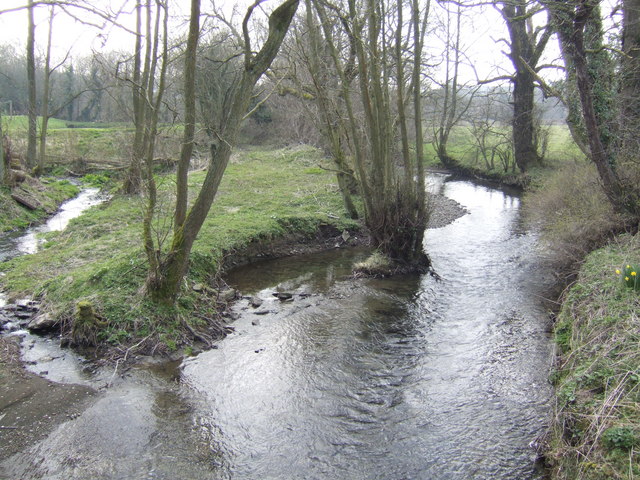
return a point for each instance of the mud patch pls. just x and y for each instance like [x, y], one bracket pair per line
[31, 406]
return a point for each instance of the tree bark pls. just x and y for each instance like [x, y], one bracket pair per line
[186, 149]
[331, 124]
[133, 180]
[3, 162]
[45, 97]
[570, 21]
[31, 81]
[630, 78]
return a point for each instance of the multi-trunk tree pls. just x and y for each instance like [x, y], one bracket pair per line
[167, 268]
[383, 108]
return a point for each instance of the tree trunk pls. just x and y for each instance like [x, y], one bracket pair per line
[133, 180]
[570, 24]
[163, 285]
[630, 78]
[186, 149]
[525, 150]
[31, 81]
[526, 50]
[3, 165]
[332, 126]
[45, 98]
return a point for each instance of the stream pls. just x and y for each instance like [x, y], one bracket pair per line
[411, 377]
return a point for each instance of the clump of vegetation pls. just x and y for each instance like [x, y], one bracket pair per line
[86, 325]
[376, 265]
[629, 276]
[573, 213]
[596, 428]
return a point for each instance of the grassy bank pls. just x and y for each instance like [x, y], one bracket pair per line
[47, 193]
[497, 163]
[264, 196]
[595, 433]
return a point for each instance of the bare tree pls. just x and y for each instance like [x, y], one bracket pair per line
[168, 269]
[388, 62]
[31, 80]
[526, 46]
[455, 102]
[139, 81]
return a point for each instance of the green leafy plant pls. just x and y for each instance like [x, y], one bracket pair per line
[629, 275]
[623, 438]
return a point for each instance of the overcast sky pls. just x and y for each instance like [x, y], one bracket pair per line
[481, 28]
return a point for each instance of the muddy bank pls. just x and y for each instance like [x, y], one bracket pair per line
[31, 406]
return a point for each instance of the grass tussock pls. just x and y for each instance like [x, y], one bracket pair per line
[375, 265]
[264, 196]
[573, 213]
[595, 434]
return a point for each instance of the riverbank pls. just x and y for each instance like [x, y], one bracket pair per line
[23, 392]
[595, 430]
[43, 195]
[271, 203]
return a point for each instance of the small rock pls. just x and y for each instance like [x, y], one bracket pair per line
[261, 312]
[227, 294]
[42, 322]
[24, 315]
[9, 327]
[198, 287]
[255, 323]
[4, 319]
[346, 236]
[255, 302]
[283, 296]
[26, 304]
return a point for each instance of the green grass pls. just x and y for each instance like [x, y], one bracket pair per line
[596, 430]
[561, 149]
[264, 195]
[49, 193]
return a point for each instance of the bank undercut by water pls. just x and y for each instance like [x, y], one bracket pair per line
[266, 197]
[45, 195]
[595, 432]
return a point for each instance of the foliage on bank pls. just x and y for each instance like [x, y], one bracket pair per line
[595, 432]
[99, 258]
[47, 193]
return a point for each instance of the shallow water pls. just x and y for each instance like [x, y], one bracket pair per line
[402, 378]
[396, 378]
[21, 243]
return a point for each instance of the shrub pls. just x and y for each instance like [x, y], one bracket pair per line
[572, 212]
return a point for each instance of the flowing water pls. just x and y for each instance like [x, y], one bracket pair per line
[414, 377]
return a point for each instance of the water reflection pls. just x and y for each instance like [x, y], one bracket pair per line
[394, 378]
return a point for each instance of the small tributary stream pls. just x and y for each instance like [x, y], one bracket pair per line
[405, 378]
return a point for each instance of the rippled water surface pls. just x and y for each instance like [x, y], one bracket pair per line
[404, 378]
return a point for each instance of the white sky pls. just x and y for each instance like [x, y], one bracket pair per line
[71, 34]
[480, 30]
